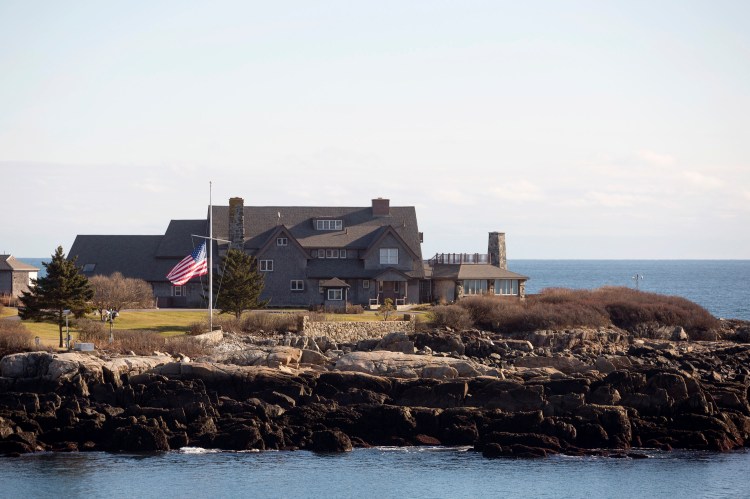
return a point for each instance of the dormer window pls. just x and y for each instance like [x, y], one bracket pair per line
[329, 224]
[282, 241]
[89, 267]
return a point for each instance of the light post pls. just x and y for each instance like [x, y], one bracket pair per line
[66, 313]
[111, 318]
[637, 278]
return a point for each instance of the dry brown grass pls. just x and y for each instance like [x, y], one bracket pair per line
[14, 338]
[138, 342]
[563, 308]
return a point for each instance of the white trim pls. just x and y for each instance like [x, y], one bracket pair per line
[388, 256]
[342, 253]
[296, 285]
[336, 290]
[328, 224]
[265, 265]
[365, 284]
[282, 241]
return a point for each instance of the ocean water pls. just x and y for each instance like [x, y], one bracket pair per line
[376, 473]
[721, 286]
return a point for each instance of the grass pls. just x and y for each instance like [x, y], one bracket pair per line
[166, 322]
[8, 312]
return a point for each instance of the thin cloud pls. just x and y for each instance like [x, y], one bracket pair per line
[703, 180]
[655, 158]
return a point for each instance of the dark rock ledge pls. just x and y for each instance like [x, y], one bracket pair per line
[504, 399]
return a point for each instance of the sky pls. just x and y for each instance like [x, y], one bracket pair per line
[581, 129]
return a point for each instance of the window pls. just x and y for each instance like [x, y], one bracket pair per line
[329, 224]
[321, 253]
[282, 241]
[179, 291]
[475, 286]
[266, 265]
[506, 286]
[388, 256]
[396, 286]
[366, 284]
[335, 294]
[342, 253]
[297, 285]
[89, 267]
[332, 253]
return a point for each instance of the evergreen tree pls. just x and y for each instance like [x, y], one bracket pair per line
[241, 284]
[63, 288]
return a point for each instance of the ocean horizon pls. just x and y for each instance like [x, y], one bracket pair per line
[720, 286]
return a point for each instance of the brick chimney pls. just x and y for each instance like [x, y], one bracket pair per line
[496, 250]
[236, 223]
[381, 207]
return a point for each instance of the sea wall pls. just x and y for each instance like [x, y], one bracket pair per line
[352, 332]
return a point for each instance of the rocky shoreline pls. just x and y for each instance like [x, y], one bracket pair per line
[581, 391]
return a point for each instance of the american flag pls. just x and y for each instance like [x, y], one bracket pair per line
[192, 265]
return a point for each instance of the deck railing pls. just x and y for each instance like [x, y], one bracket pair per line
[460, 258]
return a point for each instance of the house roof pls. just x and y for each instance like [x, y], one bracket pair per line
[177, 241]
[9, 262]
[473, 271]
[360, 226]
[333, 283]
[115, 253]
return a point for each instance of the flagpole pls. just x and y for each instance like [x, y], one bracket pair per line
[210, 258]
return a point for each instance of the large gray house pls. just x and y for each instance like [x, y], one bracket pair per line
[309, 256]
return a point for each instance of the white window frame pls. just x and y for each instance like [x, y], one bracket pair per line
[366, 284]
[335, 291]
[332, 253]
[342, 253]
[179, 290]
[509, 289]
[282, 241]
[297, 285]
[477, 286]
[265, 265]
[388, 256]
[328, 224]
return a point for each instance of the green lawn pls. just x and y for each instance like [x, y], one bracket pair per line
[169, 322]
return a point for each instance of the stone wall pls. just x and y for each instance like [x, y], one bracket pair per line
[351, 332]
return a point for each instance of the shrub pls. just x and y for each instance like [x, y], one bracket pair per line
[271, 322]
[561, 308]
[354, 309]
[91, 331]
[14, 338]
[452, 316]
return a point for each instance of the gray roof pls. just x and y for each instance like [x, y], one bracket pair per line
[132, 255]
[361, 228]
[176, 242]
[333, 283]
[9, 262]
[473, 271]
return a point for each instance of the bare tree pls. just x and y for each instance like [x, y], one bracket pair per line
[116, 292]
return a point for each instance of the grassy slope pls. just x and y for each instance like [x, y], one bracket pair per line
[169, 322]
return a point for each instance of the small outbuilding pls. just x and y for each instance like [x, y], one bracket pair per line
[15, 276]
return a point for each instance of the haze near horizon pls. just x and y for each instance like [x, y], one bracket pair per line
[581, 129]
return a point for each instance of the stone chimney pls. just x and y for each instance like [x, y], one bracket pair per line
[496, 250]
[381, 207]
[236, 223]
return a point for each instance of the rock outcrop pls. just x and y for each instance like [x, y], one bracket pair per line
[530, 396]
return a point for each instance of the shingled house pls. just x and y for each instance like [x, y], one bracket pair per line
[309, 255]
[15, 276]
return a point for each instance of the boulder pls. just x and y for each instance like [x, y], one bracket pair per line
[330, 441]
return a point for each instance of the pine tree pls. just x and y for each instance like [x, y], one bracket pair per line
[63, 288]
[241, 284]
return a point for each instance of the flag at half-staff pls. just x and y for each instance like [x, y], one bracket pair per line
[193, 265]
